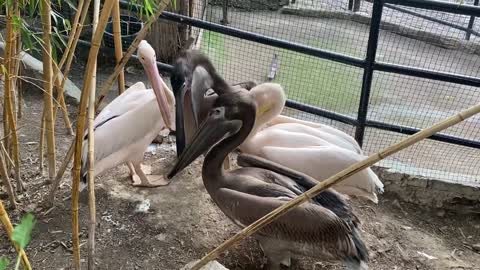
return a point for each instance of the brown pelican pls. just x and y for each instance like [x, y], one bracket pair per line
[324, 227]
[126, 126]
[317, 150]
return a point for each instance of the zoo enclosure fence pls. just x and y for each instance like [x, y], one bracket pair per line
[460, 146]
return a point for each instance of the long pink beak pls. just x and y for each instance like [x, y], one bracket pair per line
[159, 88]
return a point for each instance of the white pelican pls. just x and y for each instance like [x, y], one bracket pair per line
[126, 127]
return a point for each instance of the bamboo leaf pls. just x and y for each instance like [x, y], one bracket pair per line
[71, 5]
[22, 232]
[4, 263]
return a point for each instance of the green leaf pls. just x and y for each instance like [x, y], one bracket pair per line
[4, 262]
[22, 232]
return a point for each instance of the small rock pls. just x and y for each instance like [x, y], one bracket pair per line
[441, 213]
[476, 247]
[212, 265]
[143, 206]
[161, 237]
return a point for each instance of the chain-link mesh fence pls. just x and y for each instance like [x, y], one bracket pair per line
[405, 39]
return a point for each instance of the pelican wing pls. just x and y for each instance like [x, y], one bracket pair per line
[134, 95]
[282, 119]
[325, 161]
[309, 223]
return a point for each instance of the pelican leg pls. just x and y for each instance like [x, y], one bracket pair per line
[276, 255]
[148, 180]
[133, 173]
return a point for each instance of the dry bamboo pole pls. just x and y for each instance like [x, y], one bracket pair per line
[133, 47]
[9, 229]
[41, 146]
[91, 149]
[6, 181]
[48, 87]
[117, 37]
[16, 65]
[90, 69]
[10, 44]
[372, 159]
[6, 128]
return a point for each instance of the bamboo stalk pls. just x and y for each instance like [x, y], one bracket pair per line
[9, 229]
[10, 43]
[41, 146]
[90, 69]
[372, 159]
[133, 47]
[117, 37]
[6, 181]
[91, 147]
[48, 87]
[16, 65]
[6, 128]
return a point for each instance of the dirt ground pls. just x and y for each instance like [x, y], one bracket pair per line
[165, 228]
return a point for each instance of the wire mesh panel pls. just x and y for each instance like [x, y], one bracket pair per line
[307, 79]
[432, 159]
[421, 43]
[324, 32]
[424, 39]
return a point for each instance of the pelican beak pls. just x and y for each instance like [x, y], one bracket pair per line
[159, 87]
[213, 130]
[201, 82]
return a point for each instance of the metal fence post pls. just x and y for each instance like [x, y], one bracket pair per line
[471, 22]
[368, 69]
[354, 5]
[224, 20]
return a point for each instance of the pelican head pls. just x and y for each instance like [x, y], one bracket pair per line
[229, 121]
[270, 99]
[147, 57]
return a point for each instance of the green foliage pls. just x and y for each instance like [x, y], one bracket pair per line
[4, 262]
[21, 236]
[22, 232]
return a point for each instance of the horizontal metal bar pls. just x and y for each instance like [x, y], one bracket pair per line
[437, 137]
[426, 17]
[320, 112]
[438, 6]
[258, 38]
[427, 74]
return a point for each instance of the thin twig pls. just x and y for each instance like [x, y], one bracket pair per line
[6, 180]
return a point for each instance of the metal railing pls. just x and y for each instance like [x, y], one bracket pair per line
[368, 64]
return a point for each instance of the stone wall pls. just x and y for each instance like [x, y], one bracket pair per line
[431, 193]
